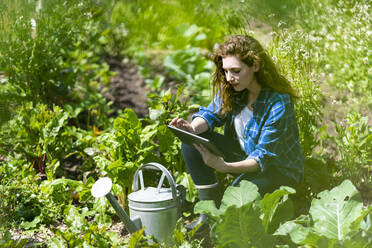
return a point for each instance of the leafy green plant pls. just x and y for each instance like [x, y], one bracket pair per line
[35, 136]
[294, 60]
[35, 143]
[183, 238]
[244, 219]
[190, 67]
[353, 142]
[81, 233]
[6, 241]
[119, 152]
[53, 58]
[155, 24]
[336, 219]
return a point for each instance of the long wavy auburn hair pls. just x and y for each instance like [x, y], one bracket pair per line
[249, 50]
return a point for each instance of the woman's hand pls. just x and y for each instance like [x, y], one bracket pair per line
[182, 124]
[219, 164]
[210, 159]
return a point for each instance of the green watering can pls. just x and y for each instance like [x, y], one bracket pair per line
[157, 209]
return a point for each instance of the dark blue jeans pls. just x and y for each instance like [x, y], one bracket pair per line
[202, 174]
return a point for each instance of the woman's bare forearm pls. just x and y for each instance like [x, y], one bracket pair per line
[199, 125]
[244, 166]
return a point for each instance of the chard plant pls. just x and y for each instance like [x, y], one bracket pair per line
[133, 142]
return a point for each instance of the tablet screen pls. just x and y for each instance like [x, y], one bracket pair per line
[190, 138]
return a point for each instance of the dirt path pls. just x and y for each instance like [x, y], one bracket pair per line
[127, 88]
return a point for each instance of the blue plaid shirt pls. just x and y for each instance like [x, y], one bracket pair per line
[271, 136]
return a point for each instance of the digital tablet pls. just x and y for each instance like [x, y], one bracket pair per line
[190, 138]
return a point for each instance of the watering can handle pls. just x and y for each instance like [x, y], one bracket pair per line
[154, 166]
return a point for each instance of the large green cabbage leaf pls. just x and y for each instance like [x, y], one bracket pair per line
[246, 220]
[247, 192]
[277, 208]
[337, 219]
[336, 210]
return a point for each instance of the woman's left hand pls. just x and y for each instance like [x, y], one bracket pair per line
[211, 159]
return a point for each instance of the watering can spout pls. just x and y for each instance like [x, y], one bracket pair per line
[102, 187]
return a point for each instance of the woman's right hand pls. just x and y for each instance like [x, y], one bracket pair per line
[182, 124]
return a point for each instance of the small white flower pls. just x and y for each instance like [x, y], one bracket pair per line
[33, 23]
[330, 37]
[33, 27]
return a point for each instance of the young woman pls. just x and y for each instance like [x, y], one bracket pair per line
[255, 104]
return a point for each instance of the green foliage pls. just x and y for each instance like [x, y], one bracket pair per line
[183, 238]
[7, 242]
[277, 208]
[81, 233]
[341, 49]
[336, 219]
[185, 179]
[244, 219]
[32, 60]
[138, 239]
[291, 51]
[133, 142]
[237, 222]
[51, 111]
[51, 57]
[169, 24]
[353, 143]
[35, 136]
[190, 67]
[50, 75]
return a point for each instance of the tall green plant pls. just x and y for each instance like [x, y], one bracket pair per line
[291, 51]
[353, 143]
[53, 57]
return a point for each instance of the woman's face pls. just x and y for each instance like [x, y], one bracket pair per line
[238, 74]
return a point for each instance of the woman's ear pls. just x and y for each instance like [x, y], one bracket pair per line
[256, 66]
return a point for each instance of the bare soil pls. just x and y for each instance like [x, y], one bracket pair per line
[127, 88]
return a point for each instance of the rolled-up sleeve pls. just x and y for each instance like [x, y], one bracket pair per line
[211, 114]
